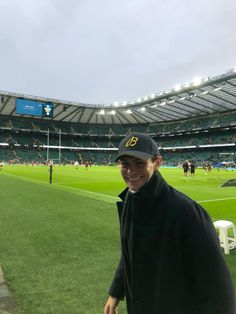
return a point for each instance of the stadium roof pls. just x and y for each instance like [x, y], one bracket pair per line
[200, 97]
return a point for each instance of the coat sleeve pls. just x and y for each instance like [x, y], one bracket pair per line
[117, 287]
[207, 267]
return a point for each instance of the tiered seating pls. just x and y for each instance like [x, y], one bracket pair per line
[227, 119]
[6, 154]
[29, 132]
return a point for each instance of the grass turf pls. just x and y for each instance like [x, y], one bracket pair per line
[60, 243]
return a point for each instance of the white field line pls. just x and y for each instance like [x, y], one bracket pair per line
[217, 199]
[100, 195]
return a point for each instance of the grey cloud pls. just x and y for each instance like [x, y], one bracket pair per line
[103, 51]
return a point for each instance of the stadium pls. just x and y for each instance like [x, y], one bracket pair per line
[192, 121]
[57, 238]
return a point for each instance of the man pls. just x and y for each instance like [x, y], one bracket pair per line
[192, 168]
[76, 164]
[185, 166]
[171, 261]
[86, 164]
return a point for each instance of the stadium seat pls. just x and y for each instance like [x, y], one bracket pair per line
[227, 242]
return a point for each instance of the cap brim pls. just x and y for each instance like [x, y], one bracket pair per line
[133, 153]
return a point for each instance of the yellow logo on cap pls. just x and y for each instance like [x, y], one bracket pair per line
[132, 141]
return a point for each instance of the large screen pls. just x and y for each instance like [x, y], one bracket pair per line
[34, 108]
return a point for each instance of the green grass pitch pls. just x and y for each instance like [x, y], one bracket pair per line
[59, 243]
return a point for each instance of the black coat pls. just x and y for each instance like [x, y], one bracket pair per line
[174, 263]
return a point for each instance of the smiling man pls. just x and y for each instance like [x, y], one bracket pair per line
[171, 261]
[136, 172]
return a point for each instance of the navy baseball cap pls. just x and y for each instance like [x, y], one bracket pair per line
[138, 145]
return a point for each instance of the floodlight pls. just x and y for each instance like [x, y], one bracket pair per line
[177, 88]
[143, 109]
[197, 81]
[113, 112]
[163, 103]
[205, 79]
[128, 111]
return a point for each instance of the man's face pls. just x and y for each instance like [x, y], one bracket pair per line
[136, 172]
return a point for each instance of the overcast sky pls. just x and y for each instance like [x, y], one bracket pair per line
[102, 51]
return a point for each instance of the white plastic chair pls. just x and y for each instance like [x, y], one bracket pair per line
[227, 242]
